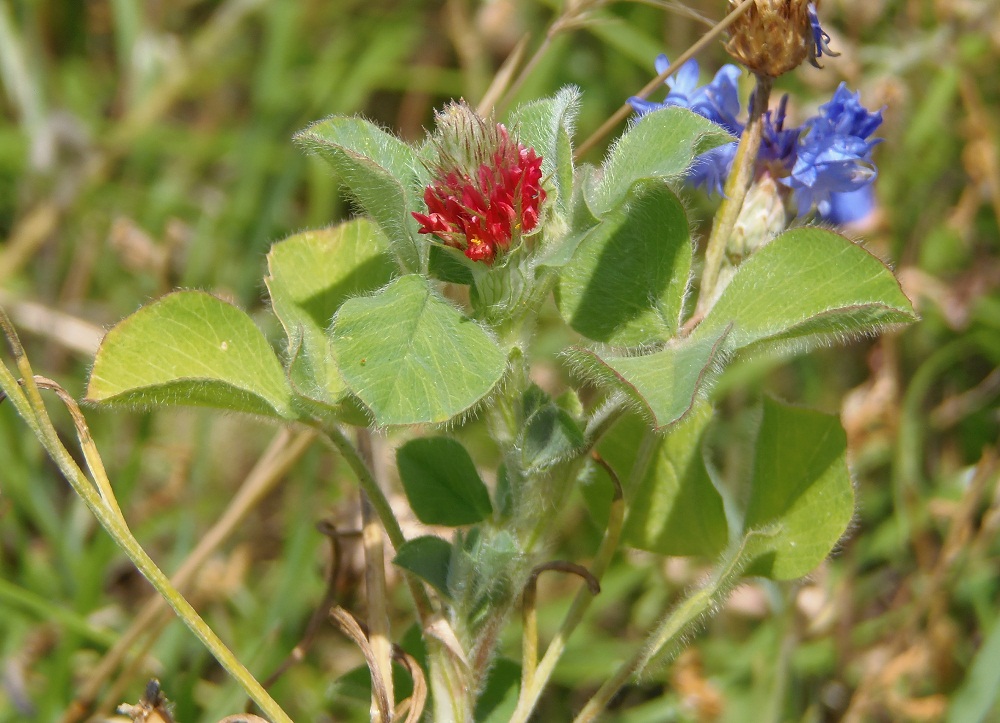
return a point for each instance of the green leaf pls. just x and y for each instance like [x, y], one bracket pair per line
[801, 486]
[442, 483]
[660, 145]
[427, 557]
[628, 278]
[549, 436]
[547, 126]
[310, 275]
[806, 287]
[190, 348]
[486, 567]
[412, 357]
[676, 510]
[498, 700]
[380, 170]
[447, 264]
[664, 385]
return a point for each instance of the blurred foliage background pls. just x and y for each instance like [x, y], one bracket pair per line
[146, 145]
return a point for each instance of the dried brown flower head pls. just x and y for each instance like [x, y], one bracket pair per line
[773, 36]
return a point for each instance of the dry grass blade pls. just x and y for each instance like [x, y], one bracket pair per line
[93, 458]
[412, 707]
[284, 450]
[623, 112]
[352, 629]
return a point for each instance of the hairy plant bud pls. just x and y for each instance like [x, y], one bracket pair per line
[774, 36]
[486, 192]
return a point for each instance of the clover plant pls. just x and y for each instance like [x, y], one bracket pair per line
[422, 316]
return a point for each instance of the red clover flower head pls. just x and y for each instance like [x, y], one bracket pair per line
[486, 193]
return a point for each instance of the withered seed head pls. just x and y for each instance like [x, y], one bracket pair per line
[772, 36]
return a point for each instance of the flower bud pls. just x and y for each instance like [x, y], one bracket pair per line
[486, 193]
[773, 36]
[765, 213]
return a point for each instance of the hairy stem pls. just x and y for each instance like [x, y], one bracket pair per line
[740, 178]
[535, 678]
[664, 643]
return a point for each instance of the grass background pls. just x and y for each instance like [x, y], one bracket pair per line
[145, 146]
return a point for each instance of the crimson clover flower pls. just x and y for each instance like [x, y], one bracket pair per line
[827, 157]
[486, 193]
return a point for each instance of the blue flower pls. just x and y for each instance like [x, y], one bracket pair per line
[850, 207]
[828, 155]
[718, 101]
[821, 39]
[835, 155]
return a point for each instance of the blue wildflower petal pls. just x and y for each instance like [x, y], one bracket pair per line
[834, 155]
[685, 81]
[661, 64]
[846, 115]
[851, 207]
[642, 106]
[719, 101]
[821, 39]
[710, 169]
[815, 178]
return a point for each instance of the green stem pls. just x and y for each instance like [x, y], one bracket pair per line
[740, 178]
[448, 678]
[30, 406]
[665, 642]
[339, 441]
[534, 681]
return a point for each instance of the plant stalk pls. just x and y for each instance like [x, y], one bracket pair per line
[665, 641]
[379, 633]
[737, 185]
[30, 406]
[535, 678]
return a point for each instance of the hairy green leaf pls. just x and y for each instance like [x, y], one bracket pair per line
[675, 509]
[659, 145]
[310, 275]
[190, 348]
[807, 286]
[663, 386]
[801, 487]
[412, 357]
[382, 172]
[441, 482]
[628, 278]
